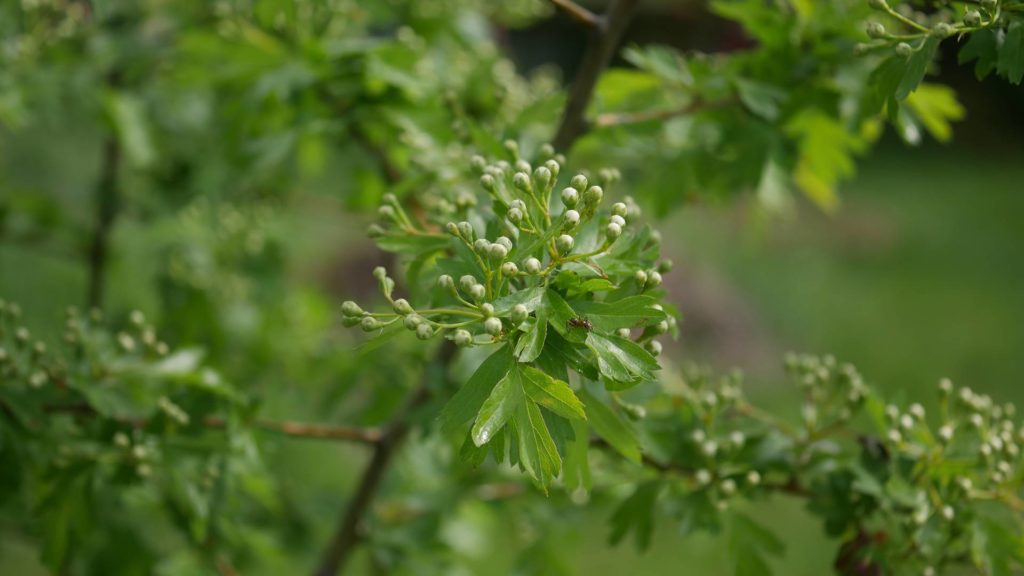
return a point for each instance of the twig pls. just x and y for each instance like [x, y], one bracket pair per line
[346, 535]
[604, 38]
[288, 428]
[108, 201]
[578, 13]
[612, 119]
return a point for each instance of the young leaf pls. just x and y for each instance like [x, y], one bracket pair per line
[917, 67]
[504, 401]
[537, 452]
[628, 312]
[531, 344]
[465, 404]
[636, 514]
[1011, 53]
[610, 427]
[555, 395]
[621, 360]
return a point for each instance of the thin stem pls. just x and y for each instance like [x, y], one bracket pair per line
[604, 38]
[577, 12]
[346, 535]
[108, 204]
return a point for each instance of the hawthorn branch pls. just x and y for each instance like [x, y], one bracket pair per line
[604, 38]
[108, 204]
[578, 13]
[346, 535]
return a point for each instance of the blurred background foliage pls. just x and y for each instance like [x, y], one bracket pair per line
[250, 138]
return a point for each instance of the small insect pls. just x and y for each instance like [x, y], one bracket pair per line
[580, 322]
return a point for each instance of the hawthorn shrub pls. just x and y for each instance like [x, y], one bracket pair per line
[513, 339]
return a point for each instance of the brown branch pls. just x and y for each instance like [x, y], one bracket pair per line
[604, 39]
[578, 13]
[108, 203]
[346, 535]
[292, 429]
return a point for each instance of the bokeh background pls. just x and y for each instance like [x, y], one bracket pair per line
[919, 276]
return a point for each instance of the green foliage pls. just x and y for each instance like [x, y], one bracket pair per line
[524, 309]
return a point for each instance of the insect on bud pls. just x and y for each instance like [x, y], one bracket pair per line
[522, 182]
[477, 292]
[903, 50]
[462, 338]
[593, 195]
[564, 243]
[613, 231]
[509, 269]
[402, 306]
[487, 309]
[519, 314]
[350, 308]
[532, 266]
[570, 197]
[492, 326]
[876, 30]
[571, 219]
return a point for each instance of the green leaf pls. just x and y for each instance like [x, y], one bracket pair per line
[621, 360]
[553, 394]
[531, 298]
[610, 427]
[538, 455]
[505, 399]
[994, 547]
[127, 116]
[761, 99]
[749, 543]
[576, 469]
[531, 344]
[1011, 53]
[466, 403]
[629, 312]
[559, 314]
[636, 514]
[826, 149]
[982, 46]
[917, 67]
[936, 106]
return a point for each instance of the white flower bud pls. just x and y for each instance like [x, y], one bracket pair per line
[737, 438]
[497, 252]
[466, 231]
[478, 292]
[618, 220]
[579, 182]
[593, 195]
[613, 231]
[487, 309]
[564, 243]
[446, 282]
[522, 182]
[703, 477]
[641, 277]
[907, 421]
[467, 282]
[351, 309]
[653, 278]
[481, 246]
[753, 477]
[623, 333]
[571, 219]
[948, 513]
[654, 347]
[412, 321]
[895, 437]
[709, 448]
[492, 326]
[462, 338]
[570, 197]
[504, 241]
[369, 324]
[946, 433]
[509, 269]
[402, 306]
[515, 215]
[946, 386]
[424, 331]
[532, 266]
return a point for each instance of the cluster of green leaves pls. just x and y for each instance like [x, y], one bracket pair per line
[562, 288]
[109, 428]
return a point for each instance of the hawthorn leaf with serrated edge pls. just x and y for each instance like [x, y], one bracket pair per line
[622, 360]
[537, 452]
[636, 514]
[628, 312]
[531, 344]
[749, 543]
[1011, 53]
[466, 403]
[576, 468]
[504, 400]
[531, 298]
[982, 46]
[610, 427]
[553, 394]
[936, 106]
[917, 66]
[559, 314]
